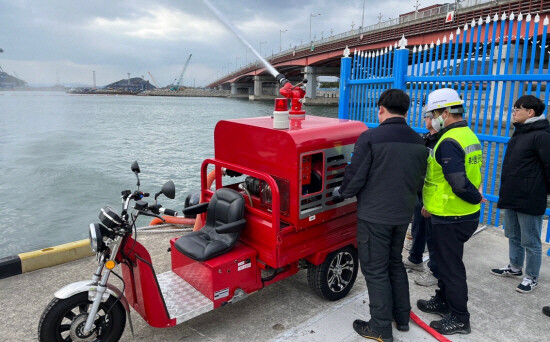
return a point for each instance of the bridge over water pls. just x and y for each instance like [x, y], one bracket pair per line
[322, 57]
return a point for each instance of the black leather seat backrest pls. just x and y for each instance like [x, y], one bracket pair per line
[225, 212]
[226, 206]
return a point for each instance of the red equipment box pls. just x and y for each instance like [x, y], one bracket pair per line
[216, 278]
[307, 162]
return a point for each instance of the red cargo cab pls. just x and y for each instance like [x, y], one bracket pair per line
[288, 176]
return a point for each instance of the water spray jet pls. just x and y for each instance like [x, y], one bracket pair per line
[293, 92]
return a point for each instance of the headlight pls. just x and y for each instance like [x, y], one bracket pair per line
[96, 237]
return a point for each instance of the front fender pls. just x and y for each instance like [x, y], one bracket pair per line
[90, 287]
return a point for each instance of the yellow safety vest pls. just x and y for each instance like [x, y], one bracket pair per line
[437, 195]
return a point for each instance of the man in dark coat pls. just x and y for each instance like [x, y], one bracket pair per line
[386, 173]
[524, 185]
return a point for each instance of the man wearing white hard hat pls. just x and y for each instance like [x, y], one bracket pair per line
[452, 200]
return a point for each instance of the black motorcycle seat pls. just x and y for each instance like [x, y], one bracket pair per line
[224, 223]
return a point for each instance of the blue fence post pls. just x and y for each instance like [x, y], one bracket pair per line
[345, 74]
[400, 64]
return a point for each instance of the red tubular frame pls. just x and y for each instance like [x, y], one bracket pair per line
[207, 193]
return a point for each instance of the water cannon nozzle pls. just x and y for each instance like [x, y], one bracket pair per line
[281, 79]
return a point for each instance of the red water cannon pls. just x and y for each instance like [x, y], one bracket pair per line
[293, 92]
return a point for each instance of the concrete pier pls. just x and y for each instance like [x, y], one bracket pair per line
[290, 311]
[187, 92]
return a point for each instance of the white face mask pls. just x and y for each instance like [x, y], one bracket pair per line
[438, 123]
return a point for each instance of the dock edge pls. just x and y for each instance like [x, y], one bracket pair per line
[46, 257]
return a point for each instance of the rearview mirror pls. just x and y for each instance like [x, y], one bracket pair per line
[169, 189]
[135, 167]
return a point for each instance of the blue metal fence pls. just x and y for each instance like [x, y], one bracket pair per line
[490, 63]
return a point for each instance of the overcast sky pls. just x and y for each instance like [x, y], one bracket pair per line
[46, 41]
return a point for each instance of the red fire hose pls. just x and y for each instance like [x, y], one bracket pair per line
[429, 329]
[172, 220]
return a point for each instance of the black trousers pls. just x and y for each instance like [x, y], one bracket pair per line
[380, 248]
[421, 231]
[449, 242]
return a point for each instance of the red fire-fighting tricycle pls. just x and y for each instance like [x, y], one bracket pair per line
[277, 217]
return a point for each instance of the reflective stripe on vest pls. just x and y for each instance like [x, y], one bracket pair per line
[438, 197]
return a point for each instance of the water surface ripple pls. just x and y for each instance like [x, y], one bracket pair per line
[63, 157]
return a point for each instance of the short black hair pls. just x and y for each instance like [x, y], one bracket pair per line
[530, 102]
[396, 101]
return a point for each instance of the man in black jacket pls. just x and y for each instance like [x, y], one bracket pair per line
[386, 172]
[524, 185]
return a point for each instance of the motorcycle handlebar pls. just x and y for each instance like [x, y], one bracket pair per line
[152, 214]
[155, 208]
[168, 212]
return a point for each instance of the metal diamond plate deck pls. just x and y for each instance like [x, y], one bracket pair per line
[182, 300]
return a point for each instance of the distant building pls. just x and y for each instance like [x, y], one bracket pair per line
[135, 84]
[9, 82]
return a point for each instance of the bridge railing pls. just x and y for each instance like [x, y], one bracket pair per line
[490, 63]
[443, 9]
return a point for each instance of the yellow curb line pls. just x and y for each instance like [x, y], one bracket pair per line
[56, 255]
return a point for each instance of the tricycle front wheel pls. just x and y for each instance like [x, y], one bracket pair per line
[334, 278]
[64, 320]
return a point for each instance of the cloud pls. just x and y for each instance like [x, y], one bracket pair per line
[72, 38]
[258, 24]
[162, 23]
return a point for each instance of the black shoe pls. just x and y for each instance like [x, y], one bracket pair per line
[546, 310]
[402, 326]
[434, 305]
[506, 272]
[450, 325]
[363, 328]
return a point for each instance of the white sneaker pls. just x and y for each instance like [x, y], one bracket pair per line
[527, 285]
[413, 266]
[426, 279]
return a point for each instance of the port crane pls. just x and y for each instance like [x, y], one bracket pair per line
[153, 79]
[180, 78]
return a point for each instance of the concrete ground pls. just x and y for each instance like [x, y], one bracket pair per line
[290, 311]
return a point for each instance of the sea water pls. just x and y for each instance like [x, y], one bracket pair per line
[63, 157]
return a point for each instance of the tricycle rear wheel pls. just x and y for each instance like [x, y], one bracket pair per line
[334, 278]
